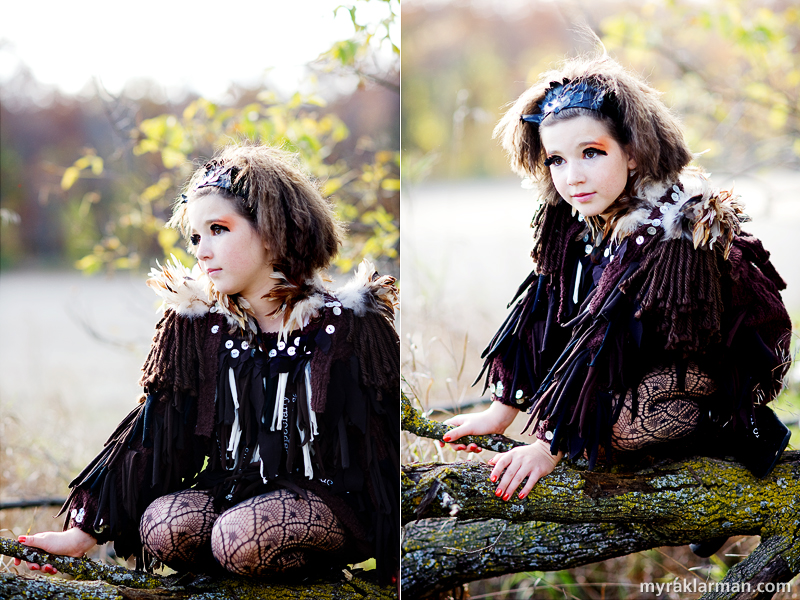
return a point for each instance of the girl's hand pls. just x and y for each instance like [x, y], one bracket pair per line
[494, 419]
[72, 542]
[533, 461]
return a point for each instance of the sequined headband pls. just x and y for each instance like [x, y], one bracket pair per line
[222, 176]
[568, 95]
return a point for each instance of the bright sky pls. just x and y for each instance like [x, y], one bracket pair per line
[200, 44]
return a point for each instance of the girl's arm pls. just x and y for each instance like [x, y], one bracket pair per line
[494, 419]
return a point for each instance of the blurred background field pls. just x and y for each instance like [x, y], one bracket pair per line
[103, 119]
[730, 69]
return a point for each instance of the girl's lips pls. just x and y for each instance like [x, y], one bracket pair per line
[210, 272]
[583, 197]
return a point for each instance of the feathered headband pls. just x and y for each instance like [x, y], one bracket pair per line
[572, 94]
[222, 176]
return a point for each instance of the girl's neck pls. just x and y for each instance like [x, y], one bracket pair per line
[263, 310]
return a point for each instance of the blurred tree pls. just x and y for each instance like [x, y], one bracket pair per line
[165, 149]
[730, 68]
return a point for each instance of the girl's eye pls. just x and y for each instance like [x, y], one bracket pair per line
[216, 229]
[554, 160]
[195, 239]
[592, 152]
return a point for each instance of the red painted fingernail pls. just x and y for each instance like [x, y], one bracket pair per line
[521, 495]
[498, 492]
[446, 438]
[493, 478]
[21, 539]
[506, 497]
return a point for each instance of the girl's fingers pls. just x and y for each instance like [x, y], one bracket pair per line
[533, 479]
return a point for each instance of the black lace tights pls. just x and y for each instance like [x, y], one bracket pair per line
[268, 534]
[666, 409]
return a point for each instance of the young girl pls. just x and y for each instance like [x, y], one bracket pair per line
[267, 436]
[650, 323]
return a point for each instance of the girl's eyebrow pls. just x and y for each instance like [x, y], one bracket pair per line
[220, 220]
[591, 143]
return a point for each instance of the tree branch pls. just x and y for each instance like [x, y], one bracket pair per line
[574, 517]
[114, 582]
[414, 422]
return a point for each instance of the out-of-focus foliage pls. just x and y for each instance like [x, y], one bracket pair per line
[730, 68]
[363, 54]
[115, 196]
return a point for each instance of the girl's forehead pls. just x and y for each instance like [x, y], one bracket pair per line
[209, 206]
[574, 132]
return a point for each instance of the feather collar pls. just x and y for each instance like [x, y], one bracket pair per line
[691, 209]
[191, 293]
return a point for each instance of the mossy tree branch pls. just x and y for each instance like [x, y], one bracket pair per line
[108, 582]
[575, 517]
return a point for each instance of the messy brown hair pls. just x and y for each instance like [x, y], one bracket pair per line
[284, 205]
[646, 128]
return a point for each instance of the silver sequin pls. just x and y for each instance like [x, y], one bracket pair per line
[215, 329]
[663, 209]
[640, 240]
[245, 345]
[651, 230]
[548, 435]
[657, 222]
[330, 329]
[291, 351]
[586, 238]
[273, 353]
[337, 311]
[235, 353]
[281, 345]
[588, 248]
[296, 341]
[229, 344]
[329, 305]
[213, 309]
[518, 394]
[606, 252]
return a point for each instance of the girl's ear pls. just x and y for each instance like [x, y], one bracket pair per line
[631, 160]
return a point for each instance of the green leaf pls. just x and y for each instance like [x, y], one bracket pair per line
[89, 264]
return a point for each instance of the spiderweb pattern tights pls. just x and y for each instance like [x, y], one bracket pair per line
[666, 410]
[268, 534]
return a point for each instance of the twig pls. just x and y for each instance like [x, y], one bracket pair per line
[32, 503]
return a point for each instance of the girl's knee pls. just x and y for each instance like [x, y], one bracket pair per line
[176, 528]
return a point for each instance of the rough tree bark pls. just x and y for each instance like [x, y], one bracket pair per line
[456, 530]
[116, 583]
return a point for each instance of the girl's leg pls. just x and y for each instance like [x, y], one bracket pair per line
[176, 529]
[274, 533]
[666, 410]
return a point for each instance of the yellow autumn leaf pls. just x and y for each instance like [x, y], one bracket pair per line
[70, 177]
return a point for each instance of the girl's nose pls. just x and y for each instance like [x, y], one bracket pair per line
[575, 174]
[203, 250]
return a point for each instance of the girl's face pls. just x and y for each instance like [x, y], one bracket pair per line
[228, 247]
[588, 166]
